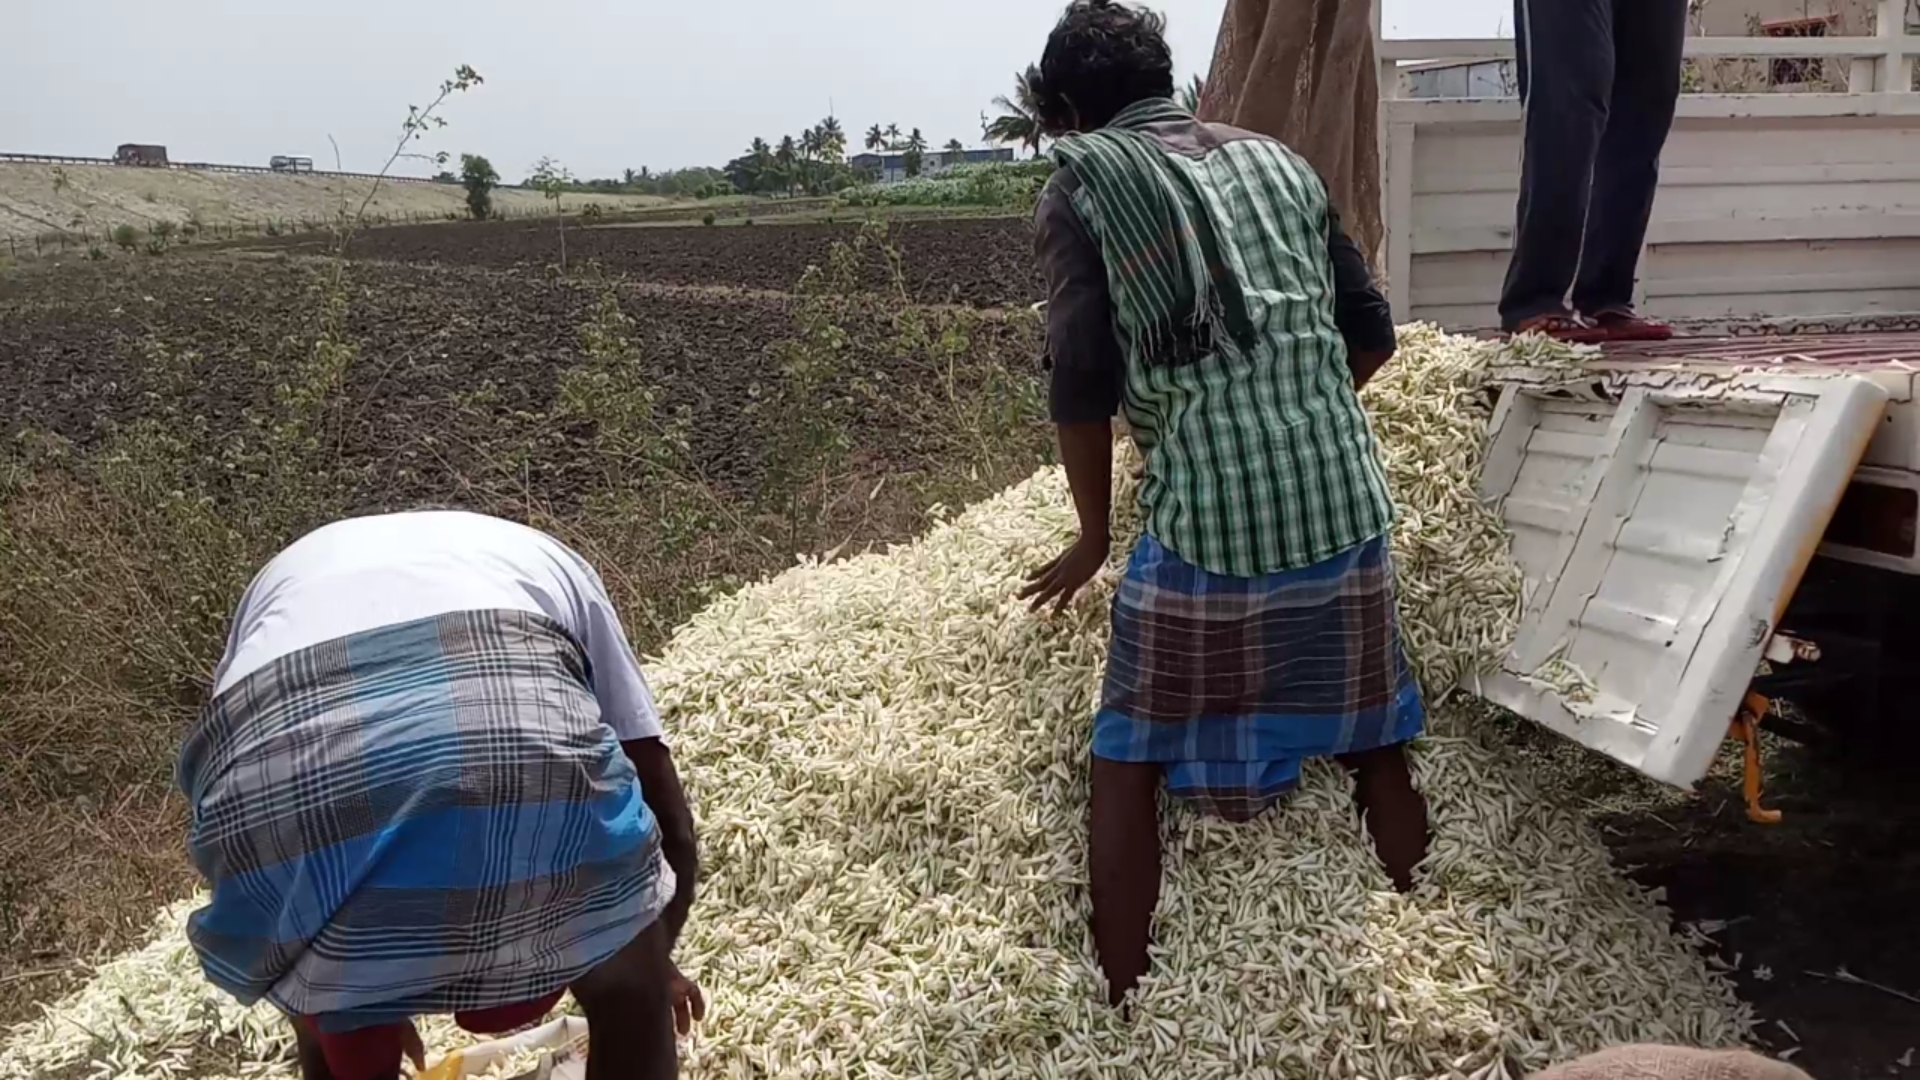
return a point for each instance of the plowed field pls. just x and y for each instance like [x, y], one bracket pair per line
[983, 262]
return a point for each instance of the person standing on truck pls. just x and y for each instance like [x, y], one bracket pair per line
[1599, 81]
[1199, 282]
[431, 779]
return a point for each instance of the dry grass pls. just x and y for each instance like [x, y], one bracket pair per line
[95, 198]
[92, 825]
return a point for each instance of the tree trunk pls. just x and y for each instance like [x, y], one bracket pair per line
[1303, 72]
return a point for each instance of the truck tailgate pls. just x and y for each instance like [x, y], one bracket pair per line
[1661, 522]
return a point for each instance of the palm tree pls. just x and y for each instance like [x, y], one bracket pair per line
[763, 166]
[749, 171]
[812, 148]
[1019, 119]
[785, 158]
[914, 154]
[833, 139]
[955, 152]
[893, 136]
[767, 166]
[876, 138]
[1190, 95]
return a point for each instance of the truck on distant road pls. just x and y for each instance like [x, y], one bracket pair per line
[286, 163]
[149, 154]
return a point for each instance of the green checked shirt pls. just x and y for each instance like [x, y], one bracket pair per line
[1199, 282]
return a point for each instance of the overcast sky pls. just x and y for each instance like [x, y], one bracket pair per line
[600, 85]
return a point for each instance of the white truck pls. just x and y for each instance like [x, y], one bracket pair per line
[1712, 524]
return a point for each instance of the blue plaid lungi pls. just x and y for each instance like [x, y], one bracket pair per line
[424, 818]
[1233, 682]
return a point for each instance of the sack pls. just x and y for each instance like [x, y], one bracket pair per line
[1302, 71]
[1672, 1063]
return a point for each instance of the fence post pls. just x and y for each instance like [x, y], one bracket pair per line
[1388, 72]
[1895, 68]
[1860, 74]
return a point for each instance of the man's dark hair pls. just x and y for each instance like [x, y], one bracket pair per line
[1101, 57]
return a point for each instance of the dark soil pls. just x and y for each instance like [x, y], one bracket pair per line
[984, 262]
[433, 340]
[1832, 889]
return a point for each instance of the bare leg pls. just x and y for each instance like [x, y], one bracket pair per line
[1395, 812]
[368, 1054]
[313, 1063]
[1125, 864]
[629, 1011]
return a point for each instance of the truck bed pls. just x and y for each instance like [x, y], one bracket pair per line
[1885, 352]
[1897, 350]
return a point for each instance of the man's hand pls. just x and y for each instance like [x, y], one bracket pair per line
[1086, 450]
[689, 1005]
[1062, 578]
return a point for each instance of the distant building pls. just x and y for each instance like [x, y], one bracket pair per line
[1459, 79]
[891, 168]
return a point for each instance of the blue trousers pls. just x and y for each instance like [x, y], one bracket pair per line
[1598, 81]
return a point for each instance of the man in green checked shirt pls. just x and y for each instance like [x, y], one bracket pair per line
[1199, 282]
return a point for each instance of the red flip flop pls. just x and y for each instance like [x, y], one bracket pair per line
[1628, 326]
[1569, 328]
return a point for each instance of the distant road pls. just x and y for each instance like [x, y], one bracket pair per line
[199, 166]
[87, 198]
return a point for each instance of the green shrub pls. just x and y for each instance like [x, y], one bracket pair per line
[96, 252]
[125, 237]
[1010, 185]
[706, 218]
[479, 177]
